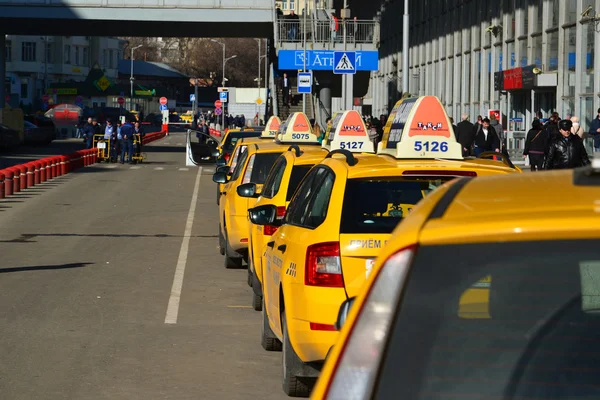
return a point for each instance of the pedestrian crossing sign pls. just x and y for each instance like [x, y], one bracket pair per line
[344, 62]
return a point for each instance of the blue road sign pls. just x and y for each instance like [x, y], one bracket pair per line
[322, 60]
[304, 82]
[218, 111]
[344, 62]
[223, 97]
[164, 108]
[192, 97]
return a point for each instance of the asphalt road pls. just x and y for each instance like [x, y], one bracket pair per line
[90, 301]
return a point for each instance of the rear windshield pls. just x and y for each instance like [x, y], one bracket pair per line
[498, 321]
[261, 166]
[377, 205]
[298, 173]
[233, 137]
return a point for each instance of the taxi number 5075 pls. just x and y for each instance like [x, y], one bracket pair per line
[431, 146]
[303, 136]
[351, 145]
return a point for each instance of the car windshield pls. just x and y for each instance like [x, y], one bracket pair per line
[376, 205]
[29, 125]
[298, 173]
[497, 321]
[233, 137]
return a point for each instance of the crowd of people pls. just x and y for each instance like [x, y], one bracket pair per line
[120, 137]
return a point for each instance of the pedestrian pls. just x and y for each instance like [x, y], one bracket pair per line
[466, 132]
[109, 130]
[127, 131]
[334, 26]
[89, 130]
[535, 145]
[285, 90]
[567, 150]
[138, 130]
[293, 24]
[454, 128]
[595, 131]
[497, 126]
[486, 139]
[577, 128]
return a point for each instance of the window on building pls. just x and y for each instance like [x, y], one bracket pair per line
[587, 44]
[8, 51]
[511, 55]
[67, 54]
[523, 52]
[466, 77]
[555, 6]
[86, 56]
[536, 44]
[552, 51]
[510, 22]
[24, 88]
[569, 62]
[111, 58]
[28, 51]
[587, 111]
[77, 55]
[540, 17]
[523, 8]
[477, 74]
[49, 51]
[497, 66]
[571, 12]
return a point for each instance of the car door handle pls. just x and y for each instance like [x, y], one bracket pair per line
[271, 244]
[282, 248]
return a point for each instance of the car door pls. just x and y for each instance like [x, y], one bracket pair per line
[225, 193]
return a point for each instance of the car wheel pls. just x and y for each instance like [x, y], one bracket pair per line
[293, 385]
[257, 302]
[249, 278]
[231, 262]
[268, 340]
[221, 242]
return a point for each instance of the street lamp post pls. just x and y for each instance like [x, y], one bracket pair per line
[223, 81]
[131, 79]
[405, 48]
[258, 80]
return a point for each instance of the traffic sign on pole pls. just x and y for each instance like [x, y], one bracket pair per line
[344, 62]
[223, 97]
[121, 101]
[163, 107]
[218, 104]
[163, 101]
[218, 111]
[192, 97]
[304, 82]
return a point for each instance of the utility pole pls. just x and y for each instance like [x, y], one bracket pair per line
[345, 76]
[405, 42]
[258, 80]
[266, 74]
[131, 79]
[304, 57]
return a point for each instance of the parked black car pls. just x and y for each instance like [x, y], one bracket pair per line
[35, 135]
[42, 122]
[9, 138]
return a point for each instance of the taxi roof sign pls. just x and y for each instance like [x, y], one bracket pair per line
[271, 127]
[296, 129]
[348, 131]
[419, 127]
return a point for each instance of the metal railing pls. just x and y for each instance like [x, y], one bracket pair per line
[320, 31]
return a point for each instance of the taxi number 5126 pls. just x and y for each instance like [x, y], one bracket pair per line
[303, 136]
[431, 146]
[351, 145]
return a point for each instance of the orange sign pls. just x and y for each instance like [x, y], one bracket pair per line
[352, 125]
[301, 123]
[274, 126]
[430, 119]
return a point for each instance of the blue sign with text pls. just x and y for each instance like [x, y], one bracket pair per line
[323, 60]
[223, 97]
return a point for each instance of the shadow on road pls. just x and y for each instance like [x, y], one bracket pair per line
[43, 267]
[164, 149]
[25, 154]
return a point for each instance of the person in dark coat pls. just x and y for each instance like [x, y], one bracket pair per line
[454, 128]
[536, 145]
[486, 139]
[567, 150]
[465, 131]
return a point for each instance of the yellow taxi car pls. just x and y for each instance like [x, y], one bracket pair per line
[535, 243]
[340, 218]
[239, 145]
[252, 166]
[230, 139]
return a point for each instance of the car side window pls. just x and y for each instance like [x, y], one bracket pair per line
[241, 163]
[236, 156]
[273, 182]
[310, 203]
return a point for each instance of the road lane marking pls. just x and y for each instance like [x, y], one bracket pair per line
[159, 168]
[239, 307]
[135, 167]
[110, 166]
[179, 144]
[173, 306]
[184, 169]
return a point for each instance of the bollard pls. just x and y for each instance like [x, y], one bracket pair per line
[1, 184]
[36, 173]
[16, 181]
[63, 165]
[8, 182]
[47, 169]
[30, 174]
[43, 177]
[22, 176]
[57, 164]
[53, 166]
[50, 167]
[86, 158]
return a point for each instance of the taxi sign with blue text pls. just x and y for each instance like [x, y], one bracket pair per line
[348, 132]
[419, 128]
[296, 129]
[271, 128]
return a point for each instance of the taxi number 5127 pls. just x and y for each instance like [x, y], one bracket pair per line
[351, 145]
[303, 136]
[431, 146]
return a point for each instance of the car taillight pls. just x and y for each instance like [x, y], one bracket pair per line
[440, 173]
[227, 156]
[270, 229]
[323, 266]
[357, 366]
[248, 172]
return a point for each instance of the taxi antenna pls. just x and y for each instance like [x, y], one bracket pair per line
[349, 156]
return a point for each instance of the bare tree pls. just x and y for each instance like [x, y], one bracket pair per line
[150, 50]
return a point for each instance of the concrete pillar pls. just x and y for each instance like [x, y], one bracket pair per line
[325, 97]
[2, 69]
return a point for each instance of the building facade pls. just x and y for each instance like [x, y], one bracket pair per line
[457, 47]
[36, 62]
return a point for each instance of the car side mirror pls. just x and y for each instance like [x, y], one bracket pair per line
[215, 153]
[223, 168]
[220, 177]
[221, 162]
[264, 215]
[343, 313]
[247, 190]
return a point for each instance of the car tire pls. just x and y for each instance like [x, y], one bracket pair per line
[221, 242]
[249, 277]
[268, 340]
[293, 385]
[229, 261]
[257, 302]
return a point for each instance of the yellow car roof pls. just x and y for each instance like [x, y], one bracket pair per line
[308, 155]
